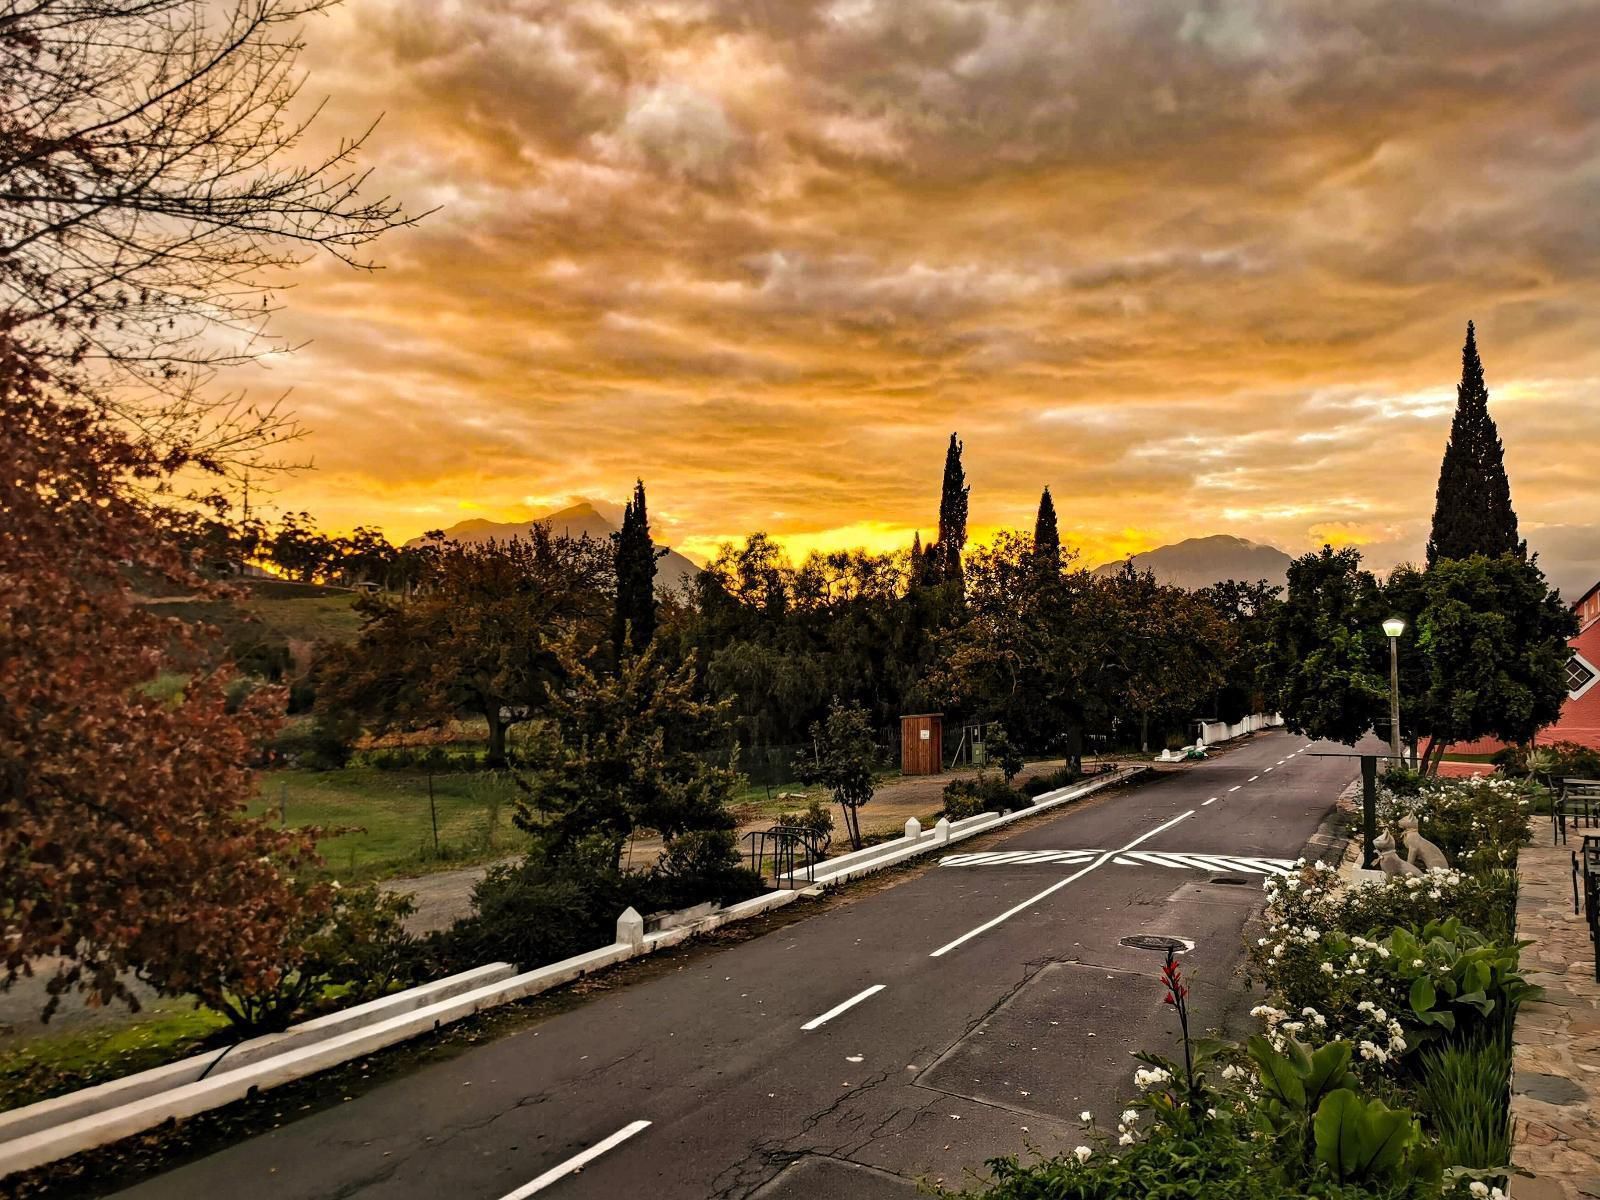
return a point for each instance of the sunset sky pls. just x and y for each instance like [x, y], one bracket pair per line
[1201, 268]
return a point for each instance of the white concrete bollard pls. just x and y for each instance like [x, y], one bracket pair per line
[913, 829]
[941, 831]
[630, 927]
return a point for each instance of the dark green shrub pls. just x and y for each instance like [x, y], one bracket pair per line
[1040, 784]
[697, 866]
[814, 819]
[1569, 760]
[983, 793]
[539, 910]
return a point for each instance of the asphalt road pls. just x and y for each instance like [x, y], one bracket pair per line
[972, 1010]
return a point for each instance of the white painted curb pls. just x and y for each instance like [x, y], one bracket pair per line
[87, 1101]
[887, 854]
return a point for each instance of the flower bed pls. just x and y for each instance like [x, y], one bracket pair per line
[1383, 1065]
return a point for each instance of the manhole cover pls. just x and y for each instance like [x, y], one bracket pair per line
[1150, 941]
[1232, 880]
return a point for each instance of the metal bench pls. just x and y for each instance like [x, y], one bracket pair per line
[1576, 801]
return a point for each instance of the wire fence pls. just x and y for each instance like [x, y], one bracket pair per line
[383, 822]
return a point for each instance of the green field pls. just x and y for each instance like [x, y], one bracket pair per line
[396, 823]
[293, 611]
[62, 1062]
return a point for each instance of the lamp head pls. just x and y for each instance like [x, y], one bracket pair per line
[1394, 627]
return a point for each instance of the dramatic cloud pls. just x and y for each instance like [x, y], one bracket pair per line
[1198, 267]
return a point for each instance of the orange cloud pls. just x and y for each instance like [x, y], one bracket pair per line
[1198, 269]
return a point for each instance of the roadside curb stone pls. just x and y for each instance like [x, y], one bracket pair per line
[1555, 1077]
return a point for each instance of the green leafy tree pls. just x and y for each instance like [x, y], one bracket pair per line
[1472, 513]
[1046, 538]
[634, 622]
[844, 754]
[1493, 639]
[1168, 647]
[1028, 650]
[1250, 611]
[1332, 664]
[626, 751]
[479, 637]
[1003, 752]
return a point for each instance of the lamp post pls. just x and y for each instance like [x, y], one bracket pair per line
[1394, 627]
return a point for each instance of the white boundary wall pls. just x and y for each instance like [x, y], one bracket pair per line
[1212, 732]
[65, 1125]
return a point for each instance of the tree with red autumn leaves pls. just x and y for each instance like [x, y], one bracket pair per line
[123, 841]
[154, 196]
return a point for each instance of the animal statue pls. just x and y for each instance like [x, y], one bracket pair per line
[1389, 862]
[1419, 850]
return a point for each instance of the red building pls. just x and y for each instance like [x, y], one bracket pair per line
[1580, 715]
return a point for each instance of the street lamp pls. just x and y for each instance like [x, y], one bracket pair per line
[1394, 627]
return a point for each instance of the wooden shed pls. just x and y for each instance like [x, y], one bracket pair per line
[922, 744]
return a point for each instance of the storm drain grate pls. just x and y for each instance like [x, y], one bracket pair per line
[1150, 941]
[1233, 880]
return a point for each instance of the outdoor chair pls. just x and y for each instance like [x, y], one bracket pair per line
[1576, 801]
[1586, 890]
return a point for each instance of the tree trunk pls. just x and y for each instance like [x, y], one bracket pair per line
[1144, 733]
[852, 825]
[1075, 748]
[497, 738]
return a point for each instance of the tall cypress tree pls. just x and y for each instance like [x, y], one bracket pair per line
[915, 573]
[1473, 513]
[1047, 538]
[946, 552]
[636, 577]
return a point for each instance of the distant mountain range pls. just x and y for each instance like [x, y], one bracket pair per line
[1200, 562]
[582, 519]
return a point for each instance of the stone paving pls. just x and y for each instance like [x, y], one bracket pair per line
[1555, 1087]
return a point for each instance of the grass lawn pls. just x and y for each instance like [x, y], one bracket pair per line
[391, 807]
[52, 1065]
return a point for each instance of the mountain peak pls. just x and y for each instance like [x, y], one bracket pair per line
[1199, 562]
[583, 519]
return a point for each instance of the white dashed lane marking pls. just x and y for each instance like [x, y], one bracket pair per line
[839, 1008]
[577, 1162]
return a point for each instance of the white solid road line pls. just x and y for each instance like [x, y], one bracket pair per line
[577, 1161]
[839, 1008]
[1054, 887]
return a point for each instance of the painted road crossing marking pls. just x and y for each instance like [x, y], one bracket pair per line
[1250, 864]
[577, 1161]
[839, 1008]
[1055, 887]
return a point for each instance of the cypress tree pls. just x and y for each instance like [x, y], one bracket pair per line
[952, 516]
[1047, 538]
[1472, 513]
[915, 572]
[636, 577]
